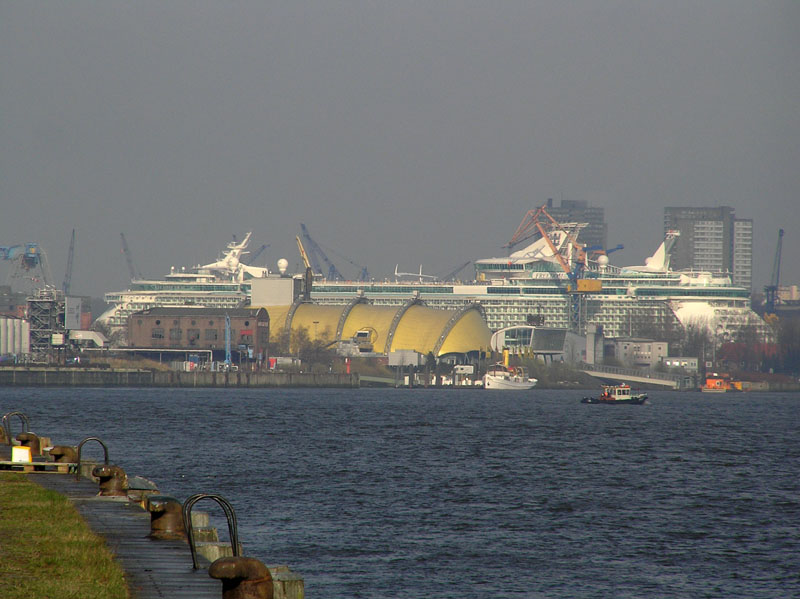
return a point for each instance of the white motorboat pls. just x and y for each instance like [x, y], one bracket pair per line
[500, 376]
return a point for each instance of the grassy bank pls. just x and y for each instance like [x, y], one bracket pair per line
[48, 551]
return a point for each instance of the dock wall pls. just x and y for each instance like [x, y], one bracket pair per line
[254, 379]
[109, 377]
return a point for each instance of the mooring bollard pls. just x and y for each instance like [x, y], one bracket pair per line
[166, 517]
[28, 439]
[113, 481]
[242, 578]
[64, 454]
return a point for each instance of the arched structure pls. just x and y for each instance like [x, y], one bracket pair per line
[412, 326]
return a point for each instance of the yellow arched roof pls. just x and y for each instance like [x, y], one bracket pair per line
[420, 328]
[376, 319]
[470, 329]
[319, 321]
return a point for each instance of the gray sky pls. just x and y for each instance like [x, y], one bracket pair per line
[398, 132]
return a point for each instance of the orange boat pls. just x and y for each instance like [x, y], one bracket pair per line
[718, 383]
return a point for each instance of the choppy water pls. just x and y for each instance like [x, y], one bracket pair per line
[438, 494]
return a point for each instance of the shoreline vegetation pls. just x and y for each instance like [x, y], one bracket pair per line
[48, 551]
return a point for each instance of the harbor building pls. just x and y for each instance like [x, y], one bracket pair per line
[360, 326]
[197, 328]
[713, 240]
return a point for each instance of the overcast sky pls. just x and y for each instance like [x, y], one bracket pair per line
[398, 132]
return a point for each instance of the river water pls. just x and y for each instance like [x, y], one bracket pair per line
[470, 494]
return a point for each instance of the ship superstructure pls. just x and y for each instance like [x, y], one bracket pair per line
[219, 284]
[553, 281]
[558, 282]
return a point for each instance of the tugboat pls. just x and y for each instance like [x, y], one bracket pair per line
[617, 394]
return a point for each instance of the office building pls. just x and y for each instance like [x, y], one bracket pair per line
[713, 240]
[579, 211]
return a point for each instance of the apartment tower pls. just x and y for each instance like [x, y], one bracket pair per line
[714, 240]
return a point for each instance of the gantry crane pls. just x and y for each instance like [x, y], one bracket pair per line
[771, 290]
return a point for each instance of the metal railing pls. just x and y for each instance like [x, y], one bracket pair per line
[230, 515]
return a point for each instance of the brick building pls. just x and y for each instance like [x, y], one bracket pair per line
[200, 329]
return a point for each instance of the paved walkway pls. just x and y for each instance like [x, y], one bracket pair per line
[154, 568]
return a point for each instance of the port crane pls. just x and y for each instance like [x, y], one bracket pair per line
[251, 259]
[364, 275]
[452, 274]
[771, 290]
[26, 258]
[68, 272]
[318, 254]
[133, 272]
[577, 286]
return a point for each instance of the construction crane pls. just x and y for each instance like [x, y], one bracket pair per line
[452, 274]
[68, 272]
[317, 254]
[308, 279]
[577, 286]
[364, 274]
[26, 258]
[771, 290]
[251, 259]
[127, 252]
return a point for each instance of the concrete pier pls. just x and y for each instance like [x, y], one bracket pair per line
[115, 377]
[154, 567]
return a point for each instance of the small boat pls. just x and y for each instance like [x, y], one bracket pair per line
[718, 383]
[614, 394]
[500, 376]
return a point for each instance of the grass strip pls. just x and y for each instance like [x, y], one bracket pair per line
[48, 551]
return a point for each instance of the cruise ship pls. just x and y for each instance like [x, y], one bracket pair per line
[555, 281]
[220, 284]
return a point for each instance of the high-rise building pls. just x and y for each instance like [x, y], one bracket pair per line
[712, 239]
[743, 252]
[579, 211]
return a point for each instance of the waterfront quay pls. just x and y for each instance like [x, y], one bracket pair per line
[149, 534]
[128, 377]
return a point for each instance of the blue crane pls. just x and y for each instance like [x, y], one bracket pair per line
[68, 272]
[227, 341]
[771, 290]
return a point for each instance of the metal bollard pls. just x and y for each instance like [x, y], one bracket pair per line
[113, 481]
[242, 578]
[28, 439]
[64, 454]
[166, 517]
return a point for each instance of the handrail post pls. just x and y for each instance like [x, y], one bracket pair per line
[80, 448]
[230, 515]
[7, 425]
